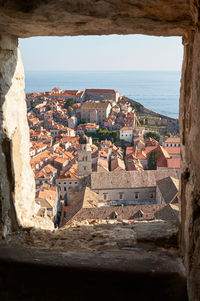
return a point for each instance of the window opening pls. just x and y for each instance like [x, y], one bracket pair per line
[60, 112]
[136, 195]
[121, 196]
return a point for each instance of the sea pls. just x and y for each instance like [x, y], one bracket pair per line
[156, 90]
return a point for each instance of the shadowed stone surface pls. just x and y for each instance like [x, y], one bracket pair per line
[93, 260]
[46, 275]
[97, 17]
[190, 177]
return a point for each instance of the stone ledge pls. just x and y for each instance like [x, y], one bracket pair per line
[141, 259]
[101, 235]
[93, 259]
[30, 273]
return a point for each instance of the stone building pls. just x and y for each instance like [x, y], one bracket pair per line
[126, 134]
[172, 142]
[101, 94]
[127, 187]
[68, 182]
[95, 112]
[72, 122]
[84, 157]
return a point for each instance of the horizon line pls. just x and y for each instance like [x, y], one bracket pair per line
[101, 70]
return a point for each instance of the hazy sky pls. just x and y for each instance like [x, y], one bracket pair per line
[114, 52]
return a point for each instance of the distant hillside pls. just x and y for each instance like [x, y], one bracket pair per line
[171, 123]
[141, 110]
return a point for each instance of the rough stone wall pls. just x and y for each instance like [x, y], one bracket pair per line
[190, 175]
[17, 186]
[97, 17]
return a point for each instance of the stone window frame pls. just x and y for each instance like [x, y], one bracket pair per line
[16, 196]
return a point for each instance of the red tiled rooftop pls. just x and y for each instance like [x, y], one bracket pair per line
[101, 90]
[149, 149]
[173, 162]
[126, 128]
[173, 140]
[173, 150]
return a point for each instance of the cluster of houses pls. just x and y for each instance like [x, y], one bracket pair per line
[99, 107]
[72, 173]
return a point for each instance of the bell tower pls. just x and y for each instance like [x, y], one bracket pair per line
[84, 157]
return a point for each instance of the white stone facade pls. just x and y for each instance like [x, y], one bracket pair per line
[72, 122]
[126, 134]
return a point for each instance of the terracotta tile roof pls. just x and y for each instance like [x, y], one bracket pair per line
[68, 155]
[174, 162]
[137, 212]
[47, 173]
[69, 129]
[48, 195]
[173, 150]
[49, 168]
[117, 164]
[168, 188]
[102, 163]
[71, 174]
[101, 90]
[151, 142]
[149, 149]
[140, 154]
[168, 212]
[56, 88]
[128, 179]
[60, 160]
[173, 140]
[66, 139]
[130, 149]
[126, 128]
[59, 150]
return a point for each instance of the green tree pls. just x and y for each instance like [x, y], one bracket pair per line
[69, 103]
[33, 104]
[138, 107]
[102, 134]
[153, 135]
[70, 109]
[83, 121]
[152, 162]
